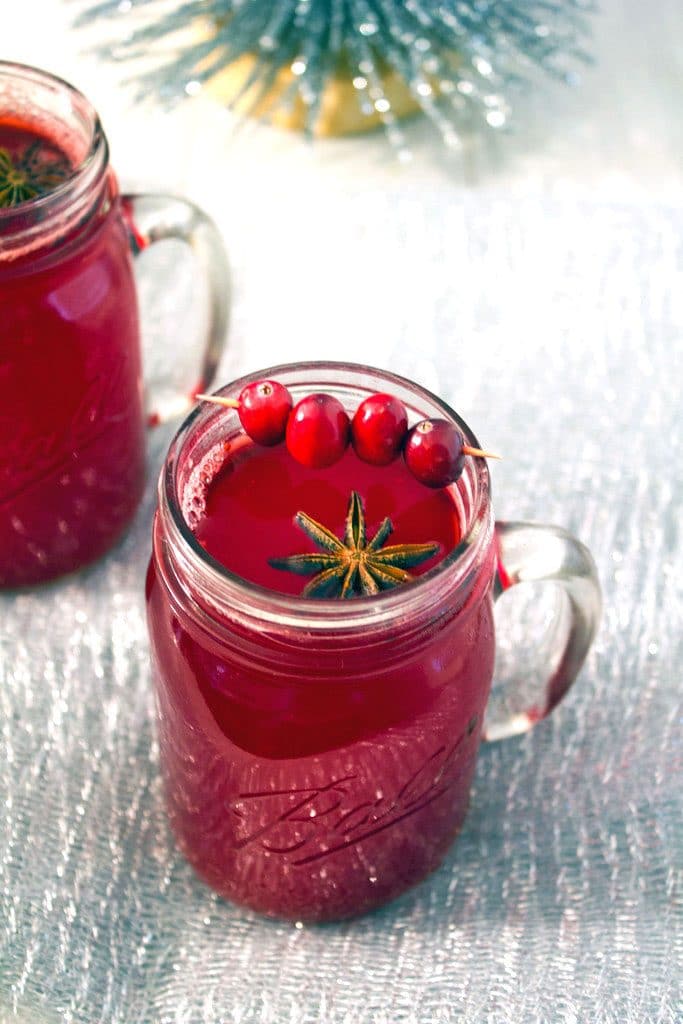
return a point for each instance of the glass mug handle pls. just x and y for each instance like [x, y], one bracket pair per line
[152, 218]
[531, 553]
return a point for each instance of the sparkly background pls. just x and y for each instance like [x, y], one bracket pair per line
[546, 304]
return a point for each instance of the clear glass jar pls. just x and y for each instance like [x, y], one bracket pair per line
[72, 419]
[318, 754]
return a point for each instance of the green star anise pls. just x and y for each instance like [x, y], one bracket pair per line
[28, 178]
[354, 566]
[14, 185]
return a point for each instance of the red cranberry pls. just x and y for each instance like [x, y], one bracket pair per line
[317, 431]
[378, 429]
[434, 452]
[264, 410]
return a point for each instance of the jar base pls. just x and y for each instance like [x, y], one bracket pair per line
[330, 914]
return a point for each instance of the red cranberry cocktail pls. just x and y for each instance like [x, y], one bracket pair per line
[71, 397]
[320, 610]
[317, 753]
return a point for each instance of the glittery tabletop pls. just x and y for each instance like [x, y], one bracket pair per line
[535, 280]
[556, 330]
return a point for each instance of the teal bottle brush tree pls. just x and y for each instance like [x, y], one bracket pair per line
[339, 66]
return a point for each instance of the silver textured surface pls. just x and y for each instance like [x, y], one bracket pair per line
[556, 329]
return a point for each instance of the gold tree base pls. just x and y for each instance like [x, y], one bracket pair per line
[339, 114]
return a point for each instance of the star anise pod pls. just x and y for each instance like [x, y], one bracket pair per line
[355, 565]
[14, 185]
[29, 177]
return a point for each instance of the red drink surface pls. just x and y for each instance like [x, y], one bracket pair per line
[314, 777]
[71, 422]
[249, 510]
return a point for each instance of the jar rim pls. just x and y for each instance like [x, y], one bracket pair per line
[87, 173]
[236, 594]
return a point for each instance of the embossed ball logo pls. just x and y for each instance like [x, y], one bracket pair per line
[309, 824]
